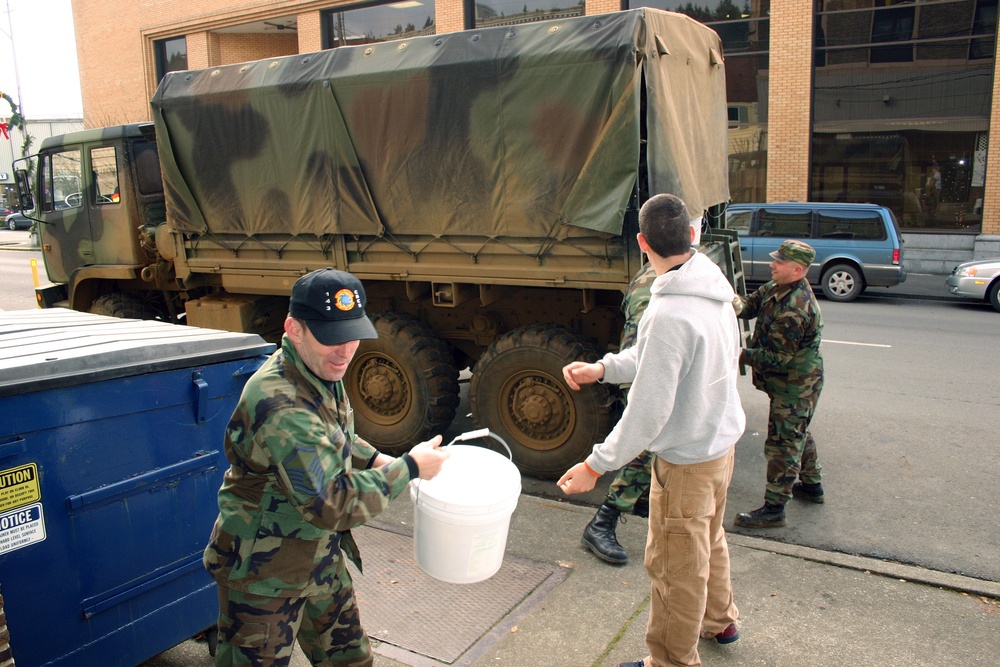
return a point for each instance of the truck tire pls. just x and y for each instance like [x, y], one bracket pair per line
[403, 385]
[124, 305]
[517, 391]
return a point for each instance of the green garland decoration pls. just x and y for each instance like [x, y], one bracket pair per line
[16, 119]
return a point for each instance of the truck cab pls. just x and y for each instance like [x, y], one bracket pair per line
[98, 197]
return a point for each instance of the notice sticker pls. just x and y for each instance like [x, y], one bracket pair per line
[19, 486]
[21, 528]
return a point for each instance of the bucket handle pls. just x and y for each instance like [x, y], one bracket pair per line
[469, 435]
[481, 433]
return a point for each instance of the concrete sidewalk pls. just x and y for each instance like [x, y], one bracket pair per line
[798, 606]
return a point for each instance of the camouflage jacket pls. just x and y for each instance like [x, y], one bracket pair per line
[296, 485]
[634, 304]
[784, 349]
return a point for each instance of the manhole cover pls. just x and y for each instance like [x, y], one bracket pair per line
[420, 621]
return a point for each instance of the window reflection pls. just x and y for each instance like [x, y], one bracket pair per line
[902, 96]
[171, 56]
[378, 23]
[510, 12]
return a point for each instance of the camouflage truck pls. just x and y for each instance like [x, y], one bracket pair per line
[483, 184]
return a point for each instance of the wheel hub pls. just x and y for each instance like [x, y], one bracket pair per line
[382, 387]
[539, 410]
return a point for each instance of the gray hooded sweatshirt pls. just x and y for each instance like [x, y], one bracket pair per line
[683, 405]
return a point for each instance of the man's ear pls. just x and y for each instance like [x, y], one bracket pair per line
[293, 328]
[643, 245]
[691, 227]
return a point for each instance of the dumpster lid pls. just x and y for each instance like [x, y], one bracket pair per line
[42, 349]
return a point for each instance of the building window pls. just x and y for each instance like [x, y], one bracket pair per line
[377, 23]
[511, 12]
[744, 28]
[984, 23]
[901, 102]
[171, 56]
[892, 24]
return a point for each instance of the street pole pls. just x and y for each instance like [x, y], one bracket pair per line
[17, 74]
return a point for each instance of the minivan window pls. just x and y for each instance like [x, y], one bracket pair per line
[787, 224]
[740, 221]
[865, 225]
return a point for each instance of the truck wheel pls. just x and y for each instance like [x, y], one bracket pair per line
[842, 283]
[125, 305]
[518, 392]
[403, 385]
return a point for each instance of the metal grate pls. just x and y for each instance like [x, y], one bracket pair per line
[434, 622]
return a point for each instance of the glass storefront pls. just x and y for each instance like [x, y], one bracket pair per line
[381, 22]
[901, 105]
[745, 32]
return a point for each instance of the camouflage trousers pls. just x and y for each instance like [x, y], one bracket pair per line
[790, 448]
[630, 484]
[258, 631]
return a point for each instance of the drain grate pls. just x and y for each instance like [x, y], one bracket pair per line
[431, 621]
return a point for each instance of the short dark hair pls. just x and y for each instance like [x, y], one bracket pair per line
[665, 223]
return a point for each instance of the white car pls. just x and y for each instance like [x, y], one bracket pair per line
[979, 279]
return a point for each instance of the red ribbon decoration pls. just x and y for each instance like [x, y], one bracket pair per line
[3, 130]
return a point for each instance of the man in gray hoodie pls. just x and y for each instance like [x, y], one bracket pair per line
[684, 408]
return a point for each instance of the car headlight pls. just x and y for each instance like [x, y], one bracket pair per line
[966, 271]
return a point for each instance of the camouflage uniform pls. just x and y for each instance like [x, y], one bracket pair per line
[297, 483]
[632, 482]
[787, 365]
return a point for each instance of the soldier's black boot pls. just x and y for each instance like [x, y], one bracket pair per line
[599, 536]
[811, 492]
[768, 516]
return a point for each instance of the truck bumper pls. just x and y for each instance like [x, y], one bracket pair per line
[51, 296]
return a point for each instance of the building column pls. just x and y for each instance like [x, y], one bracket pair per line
[991, 196]
[603, 6]
[449, 16]
[309, 32]
[789, 100]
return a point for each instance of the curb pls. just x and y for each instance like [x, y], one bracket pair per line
[910, 573]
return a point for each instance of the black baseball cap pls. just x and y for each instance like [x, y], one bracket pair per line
[332, 304]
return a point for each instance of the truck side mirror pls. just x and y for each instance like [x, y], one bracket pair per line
[24, 189]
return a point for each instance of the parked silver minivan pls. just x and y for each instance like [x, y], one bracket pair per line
[857, 245]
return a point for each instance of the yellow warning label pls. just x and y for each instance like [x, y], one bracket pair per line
[19, 486]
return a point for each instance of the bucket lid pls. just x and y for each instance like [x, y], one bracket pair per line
[472, 476]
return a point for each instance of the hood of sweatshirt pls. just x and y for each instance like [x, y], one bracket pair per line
[698, 276]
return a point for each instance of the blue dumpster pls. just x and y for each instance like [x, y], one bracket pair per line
[111, 456]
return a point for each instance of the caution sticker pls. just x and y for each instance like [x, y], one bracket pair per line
[19, 486]
[21, 528]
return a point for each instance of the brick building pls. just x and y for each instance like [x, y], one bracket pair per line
[888, 101]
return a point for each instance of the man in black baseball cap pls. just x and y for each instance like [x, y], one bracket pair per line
[299, 479]
[332, 305]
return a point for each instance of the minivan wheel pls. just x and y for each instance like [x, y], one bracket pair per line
[842, 283]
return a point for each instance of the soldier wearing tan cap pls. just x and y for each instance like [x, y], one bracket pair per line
[787, 365]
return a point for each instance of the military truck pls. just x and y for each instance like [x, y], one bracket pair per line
[484, 185]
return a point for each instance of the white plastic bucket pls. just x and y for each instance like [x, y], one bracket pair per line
[461, 517]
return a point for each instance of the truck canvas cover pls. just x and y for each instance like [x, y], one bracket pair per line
[529, 130]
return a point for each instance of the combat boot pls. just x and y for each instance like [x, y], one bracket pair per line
[768, 516]
[599, 536]
[811, 492]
